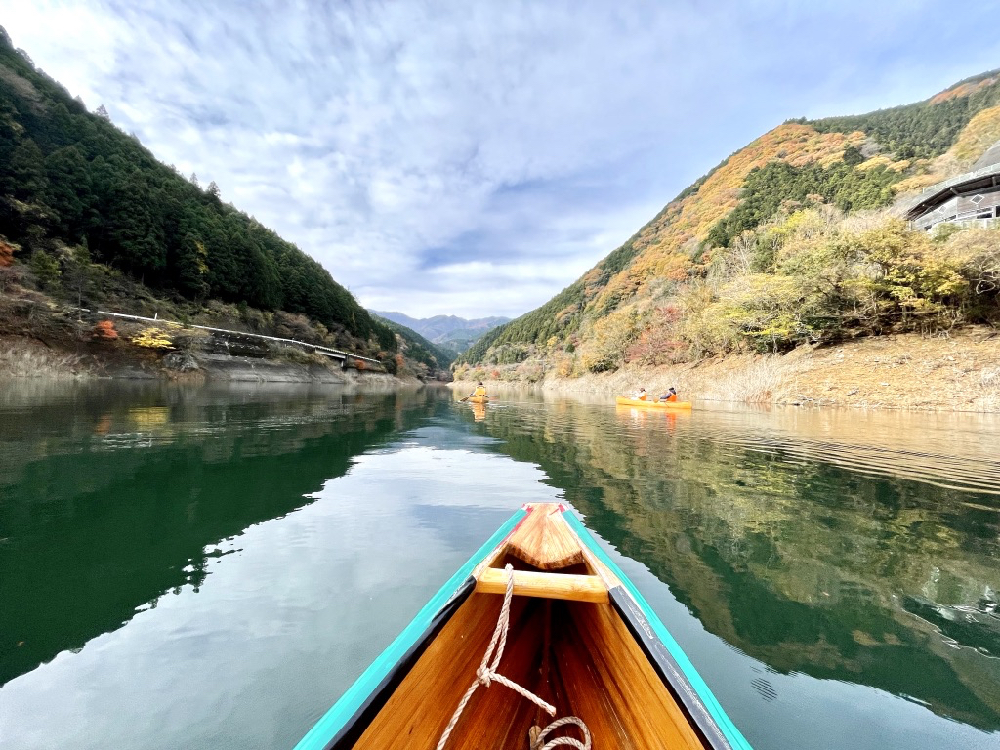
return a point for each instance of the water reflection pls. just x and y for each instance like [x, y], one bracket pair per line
[112, 496]
[290, 612]
[831, 574]
[820, 544]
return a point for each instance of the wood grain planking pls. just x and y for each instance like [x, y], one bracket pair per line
[544, 585]
[611, 685]
[496, 718]
[595, 669]
[543, 539]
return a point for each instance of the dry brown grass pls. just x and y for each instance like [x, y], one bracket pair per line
[988, 397]
[761, 381]
[26, 359]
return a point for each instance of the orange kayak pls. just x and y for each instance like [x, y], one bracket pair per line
[626, 401]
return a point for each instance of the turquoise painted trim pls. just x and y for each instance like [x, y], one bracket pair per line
[715, 709]
[341, 712]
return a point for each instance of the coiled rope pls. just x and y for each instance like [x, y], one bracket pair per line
[485, 675]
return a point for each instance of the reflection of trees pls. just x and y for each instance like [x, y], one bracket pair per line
[129, 502]
[802, 565]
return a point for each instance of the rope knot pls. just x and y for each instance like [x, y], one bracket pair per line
[487, 672]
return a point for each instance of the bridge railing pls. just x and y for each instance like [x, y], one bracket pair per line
[324, 350]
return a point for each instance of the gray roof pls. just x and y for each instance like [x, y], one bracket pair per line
[988, 159]
[981, 178]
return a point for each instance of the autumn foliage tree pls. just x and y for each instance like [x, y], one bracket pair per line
[105, 331]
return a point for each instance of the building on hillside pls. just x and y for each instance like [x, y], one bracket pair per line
[970, 198]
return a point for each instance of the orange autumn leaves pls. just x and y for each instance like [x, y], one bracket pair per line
[963, 89]
[661, 245]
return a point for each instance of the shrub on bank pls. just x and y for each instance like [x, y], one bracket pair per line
[153, 337]
[818, 275]
[809, 275]
[105, 331]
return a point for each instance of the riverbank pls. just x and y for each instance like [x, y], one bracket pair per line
[959, 371]
[26, 357]
[44, 334]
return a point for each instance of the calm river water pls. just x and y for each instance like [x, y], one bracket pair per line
[212, 567]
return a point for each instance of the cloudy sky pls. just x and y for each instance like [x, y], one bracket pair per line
[474, 158]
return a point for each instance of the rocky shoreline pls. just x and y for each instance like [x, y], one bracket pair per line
[956, 371]
[24, 357]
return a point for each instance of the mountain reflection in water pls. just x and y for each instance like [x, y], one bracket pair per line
[213, 566]
[842, 545]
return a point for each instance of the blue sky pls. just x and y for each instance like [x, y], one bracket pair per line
[475, 158]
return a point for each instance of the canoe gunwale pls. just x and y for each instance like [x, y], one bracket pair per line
[668, 670]
[377, 698]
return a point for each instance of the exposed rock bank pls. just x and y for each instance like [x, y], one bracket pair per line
[959, 371]
[20, 356]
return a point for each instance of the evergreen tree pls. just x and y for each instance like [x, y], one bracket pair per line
[71, 175]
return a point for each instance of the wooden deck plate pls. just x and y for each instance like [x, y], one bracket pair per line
[543, 539]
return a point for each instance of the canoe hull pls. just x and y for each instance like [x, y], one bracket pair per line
[555, 641]
[681, 405]
[478, 399]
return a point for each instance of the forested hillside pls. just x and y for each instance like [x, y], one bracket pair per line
[433, 358]
[791, 239]
[71, 179]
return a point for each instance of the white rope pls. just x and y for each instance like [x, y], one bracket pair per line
[486, 675]
[536, 743]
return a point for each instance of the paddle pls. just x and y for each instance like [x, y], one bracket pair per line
[466, 398]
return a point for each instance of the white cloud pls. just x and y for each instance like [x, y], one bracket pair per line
[388, 140]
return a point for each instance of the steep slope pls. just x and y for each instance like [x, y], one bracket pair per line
[431, 360]
[72, 184]
[790, 239]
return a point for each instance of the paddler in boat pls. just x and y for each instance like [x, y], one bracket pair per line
[670, 395]
[480, 390]
[640, 394]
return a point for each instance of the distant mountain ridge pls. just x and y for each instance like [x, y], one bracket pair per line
[448, 331]
[431, 360]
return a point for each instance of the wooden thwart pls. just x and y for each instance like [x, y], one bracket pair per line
[575, 588]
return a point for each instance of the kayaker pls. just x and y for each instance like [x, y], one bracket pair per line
[480, 390]
[640, 394]
[670, 395]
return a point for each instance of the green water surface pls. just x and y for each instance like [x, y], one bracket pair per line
[211, 567]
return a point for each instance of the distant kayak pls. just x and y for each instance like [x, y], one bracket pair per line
[626, 401]
[478, 399]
